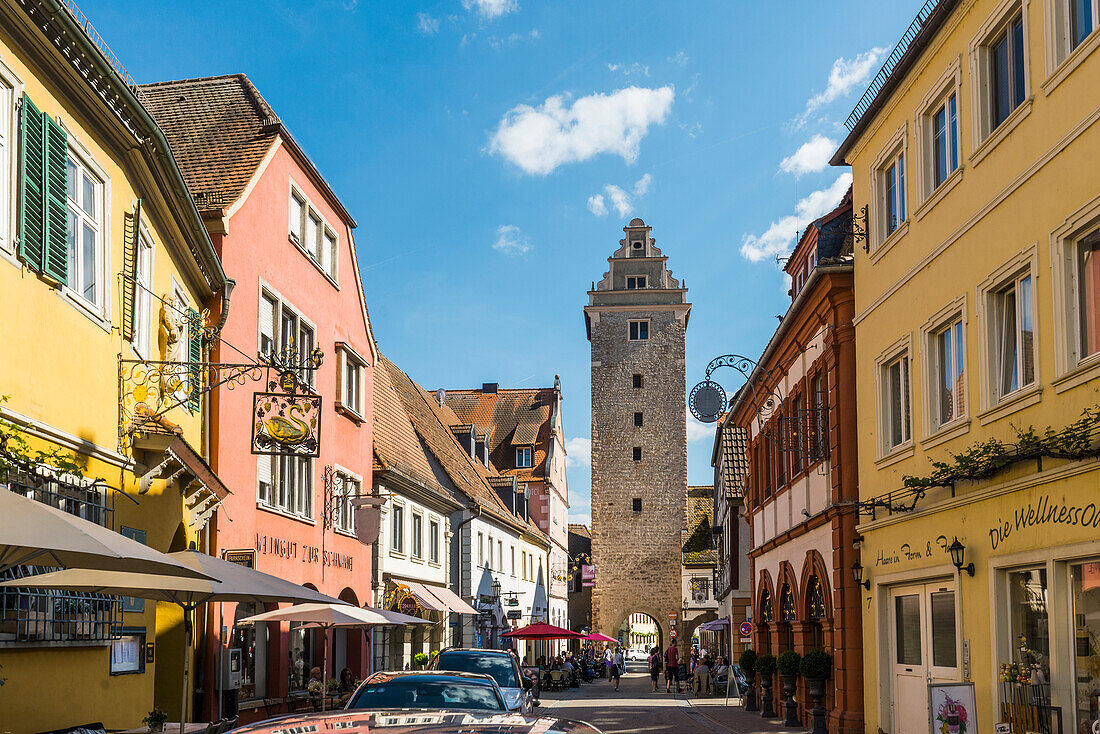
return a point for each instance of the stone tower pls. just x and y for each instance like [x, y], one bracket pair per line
[636, 319]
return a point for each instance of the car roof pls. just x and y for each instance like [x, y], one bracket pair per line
[389, 674]
[477, 650]
[420, 721]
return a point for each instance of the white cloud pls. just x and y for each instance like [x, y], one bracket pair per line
[845, 75]
[634, 68]
[539, 139]
[596, 205]
[779, 237]
[680, 59]
[490, 9]
[812, 157]
[578, 452]
[622, 200]
[511, 241]
[698, 431]
[426, 24]
[512, 39]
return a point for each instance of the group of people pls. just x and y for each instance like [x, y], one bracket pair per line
[699, 673]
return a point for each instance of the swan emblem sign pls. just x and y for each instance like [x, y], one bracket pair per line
[286, 424]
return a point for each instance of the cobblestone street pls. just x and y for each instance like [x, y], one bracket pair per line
[635, 708]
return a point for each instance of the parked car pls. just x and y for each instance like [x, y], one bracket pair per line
[418, 689]
[419, 722]
[500, 664]
[635, 654]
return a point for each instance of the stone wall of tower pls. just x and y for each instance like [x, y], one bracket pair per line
[637, 555]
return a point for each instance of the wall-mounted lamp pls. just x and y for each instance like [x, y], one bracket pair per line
[496, 589]
[857, 575]
[856, 541]
[956, 550]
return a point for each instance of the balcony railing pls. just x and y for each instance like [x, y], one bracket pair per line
[92, 502]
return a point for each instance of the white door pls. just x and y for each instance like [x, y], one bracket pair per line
[924, 649]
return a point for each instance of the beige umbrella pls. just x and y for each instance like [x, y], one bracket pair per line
[327, 616]
[33, 533]
[227, 582]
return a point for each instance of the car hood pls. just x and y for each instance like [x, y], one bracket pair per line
[418, 721]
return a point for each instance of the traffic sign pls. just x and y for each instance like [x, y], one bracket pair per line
[746, 629]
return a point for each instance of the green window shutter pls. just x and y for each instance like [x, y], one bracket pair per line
[130, 264]
[55, 262]
[129, 603]
[32, 177]
[194, 356]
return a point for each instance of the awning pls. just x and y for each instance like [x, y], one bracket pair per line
[452, 600]
[201, 488]
[426, 598]
[713, 625]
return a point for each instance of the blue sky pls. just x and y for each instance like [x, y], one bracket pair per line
[492, 150]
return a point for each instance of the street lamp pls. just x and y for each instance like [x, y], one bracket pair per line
[496, 588]
[956, 550]
[857, 575]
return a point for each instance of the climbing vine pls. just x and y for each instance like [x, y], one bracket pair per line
[1076, 441]
[16, 453]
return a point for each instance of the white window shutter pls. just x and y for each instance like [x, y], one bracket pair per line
[267, 320]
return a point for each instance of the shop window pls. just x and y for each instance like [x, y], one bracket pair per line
[1085, 580]
[251, 640]
[301, 646]
[1029, 621]
[128, 651]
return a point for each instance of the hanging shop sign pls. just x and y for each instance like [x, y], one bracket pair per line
[408, 605]
[286, 424]
[588, 575]
[515, 614]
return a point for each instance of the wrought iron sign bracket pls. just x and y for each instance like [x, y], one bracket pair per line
[861, 229]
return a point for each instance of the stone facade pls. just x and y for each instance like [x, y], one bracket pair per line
[639, 472]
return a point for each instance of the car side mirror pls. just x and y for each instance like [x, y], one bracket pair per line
[526, 684]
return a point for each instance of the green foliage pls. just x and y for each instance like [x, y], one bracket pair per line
[816, 664]
[421, 658]
[787, 662]
[155, 717]
[748, 661]
[16, 453]
[1076, 441]
[766, 665]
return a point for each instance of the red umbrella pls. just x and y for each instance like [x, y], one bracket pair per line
[542, 631]
[597, 637]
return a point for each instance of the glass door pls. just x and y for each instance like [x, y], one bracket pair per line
[924, 649]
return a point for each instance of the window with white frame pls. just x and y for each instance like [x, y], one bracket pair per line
[397, 528]
[942, 135]
[947, 355]
[512, 549]
[310, 231]
[285, 483]
[433, 541]
[892, 187]
[523, 457]
[635, 281]
[352, 368]
[480, 550]
[895, 415]
[1002, 84]
[282, 328]
[1011, 329]
[417, 536]
[1073, 22]
[500, 555]
[1084, 310]
[9, 155]
[346, 489]
[143, 298]
[85, 231]
[639, 330]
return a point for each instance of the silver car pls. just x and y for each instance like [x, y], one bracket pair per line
[500, 664]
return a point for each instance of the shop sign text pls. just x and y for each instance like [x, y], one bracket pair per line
[910, 552]
[1044, 512]
[292, 550]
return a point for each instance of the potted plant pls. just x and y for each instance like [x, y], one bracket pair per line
[766, 666]
[748, 667]
[421, 659]
[815, 668]
[155, 720]
[787, 663]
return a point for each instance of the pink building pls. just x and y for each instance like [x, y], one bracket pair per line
[285, 238]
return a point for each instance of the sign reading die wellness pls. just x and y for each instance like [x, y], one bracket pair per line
[286, 424]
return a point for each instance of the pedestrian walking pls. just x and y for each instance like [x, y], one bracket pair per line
[672, 666]
[655, 666]
[617, 666]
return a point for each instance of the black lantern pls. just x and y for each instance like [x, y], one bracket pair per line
[956, 549]
[857, 575]
[496, 589]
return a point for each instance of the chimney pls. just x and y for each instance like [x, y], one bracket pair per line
[490, 388]
[441, 396]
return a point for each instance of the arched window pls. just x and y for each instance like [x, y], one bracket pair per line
[765, 619]
[787, 614]
[815, 612]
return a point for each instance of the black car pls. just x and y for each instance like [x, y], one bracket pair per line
[418, 689]
[500, 664]
[415, 721]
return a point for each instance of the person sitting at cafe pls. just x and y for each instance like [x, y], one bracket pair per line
[721, 670]
[701, 677]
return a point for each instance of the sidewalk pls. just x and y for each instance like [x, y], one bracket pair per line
[732, 718]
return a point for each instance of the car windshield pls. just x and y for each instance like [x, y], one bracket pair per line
[500, 667]
[431, 692]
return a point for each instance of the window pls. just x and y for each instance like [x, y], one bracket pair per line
[1072, 22]
[893, 194]
[1087, 276]
[128, 652]
[947, 352]
[636, 504]
[397, 529]
[433, 542]
[894, 376]
[638, 419]
[637, 453]
[1012, 333]
[310, 232]
[635, 281]
[639, 331]
[1006, 64]
[351, 380]
[84, 231]
[129, 603]
[500, 555]
[817, 426]
[1029, 618]
[285, 483]
[9, 156]
[637, 244]
[346, 488]
[944, 140]
[282, 328]
[512, 550]
[1085, 589]
[143, 299]
[480, 550]
[523, 457]
[417, 536]
[637, 381]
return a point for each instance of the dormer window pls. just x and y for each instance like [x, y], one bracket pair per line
[634, 282]
[523, 457]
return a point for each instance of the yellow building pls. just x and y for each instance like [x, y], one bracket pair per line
[977, 316]
[104, 263]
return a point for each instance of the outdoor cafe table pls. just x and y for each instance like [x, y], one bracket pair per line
[170, 727]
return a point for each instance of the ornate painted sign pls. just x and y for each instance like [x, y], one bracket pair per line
[286, 423]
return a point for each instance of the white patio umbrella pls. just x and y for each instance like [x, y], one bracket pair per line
[328, 616]
[33, 533]
[226, 582]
